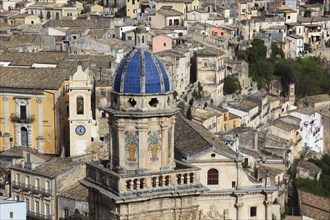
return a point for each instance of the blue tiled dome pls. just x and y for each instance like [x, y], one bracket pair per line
[141, 72]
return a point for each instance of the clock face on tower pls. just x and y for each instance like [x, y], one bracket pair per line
[80, 130]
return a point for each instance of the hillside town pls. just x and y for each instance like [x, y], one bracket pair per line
[165, 109]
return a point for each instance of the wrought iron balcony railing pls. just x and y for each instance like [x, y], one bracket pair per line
[37, 215]
[28, 187]
[22, 119]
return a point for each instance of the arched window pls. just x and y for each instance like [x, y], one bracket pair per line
[24, 137]
[212, 177]
[170, 22]
[80, 105]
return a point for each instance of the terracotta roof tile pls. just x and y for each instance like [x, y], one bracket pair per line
[310, 166]
[39, 78]
[192, 138]
[76, 192]
[314, 206]
[56, 166]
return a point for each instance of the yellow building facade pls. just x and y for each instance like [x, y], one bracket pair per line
[36, 117]
[131, 8]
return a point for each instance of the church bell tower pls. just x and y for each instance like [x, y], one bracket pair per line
[82, 124]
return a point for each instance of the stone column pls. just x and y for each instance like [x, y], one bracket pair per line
[30, 136]
[40, 130]
[17, 135]
[171, 128]
[239, 206]
[6, 134]
[268, 205]
[164, 145]
[238, 166]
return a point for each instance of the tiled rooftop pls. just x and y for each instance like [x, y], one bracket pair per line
[309, 166]
[192, 138]
[56, 166]
[284, 125]
[27, 78]
[22, 58]
[76, 192]
[313, 206]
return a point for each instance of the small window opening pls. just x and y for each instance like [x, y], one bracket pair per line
[104, 114]
[132, 102]
[212, 155]
[153, 102]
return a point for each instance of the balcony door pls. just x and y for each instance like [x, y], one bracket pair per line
[23, 111]
[24, 137]
[47, 210]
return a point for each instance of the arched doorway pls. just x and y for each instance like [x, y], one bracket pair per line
[24, 137]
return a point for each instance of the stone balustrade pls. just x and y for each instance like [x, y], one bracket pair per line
[147, 181]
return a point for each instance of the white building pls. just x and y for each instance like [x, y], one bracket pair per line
[245, 117]
[11, 209]
[312, 128]
[294, 46]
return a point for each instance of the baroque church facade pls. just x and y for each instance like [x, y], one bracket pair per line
[161, 165]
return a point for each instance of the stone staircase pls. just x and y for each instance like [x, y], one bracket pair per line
[293, 202]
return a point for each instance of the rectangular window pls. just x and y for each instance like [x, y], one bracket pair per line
[103, 93]
[104, 114]
[28, 158]
[133, 2]
[164, 44]
[47, 186]
[205, 64]
[66, 213]
[288, 17]
[253, 211]
[36, 206]
[27, 181]
[27, 204]
[11, 215]
[47, 210]
[233, 184]
[17, 198]
[18, 178]
[37, 183]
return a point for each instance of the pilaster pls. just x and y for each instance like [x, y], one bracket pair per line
[268, 205]
[164, 150]
[6, 135]
[143, 137]
[121, 147]
[40, 130]
[239, 206]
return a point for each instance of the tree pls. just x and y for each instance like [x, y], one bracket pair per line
[288, 71]
[231, 85]
[277, 51]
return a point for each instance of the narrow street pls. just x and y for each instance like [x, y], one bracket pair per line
[292, 191]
